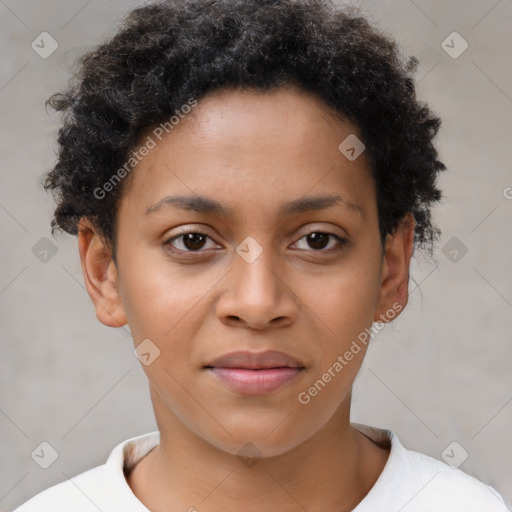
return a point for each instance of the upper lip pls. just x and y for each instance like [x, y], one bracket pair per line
[255, 360]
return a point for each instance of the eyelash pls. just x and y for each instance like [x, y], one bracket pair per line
[341, 241]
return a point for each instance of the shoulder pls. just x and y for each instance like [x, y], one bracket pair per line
[415, 482]
[435, 483]
[76, 494]
[101, 488]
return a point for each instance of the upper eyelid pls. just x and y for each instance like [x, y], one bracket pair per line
[174, 237]
[303, 231]
[340, 238]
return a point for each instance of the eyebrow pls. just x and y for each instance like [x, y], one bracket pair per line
[202, 204]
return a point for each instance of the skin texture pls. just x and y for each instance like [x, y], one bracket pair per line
[252, 152]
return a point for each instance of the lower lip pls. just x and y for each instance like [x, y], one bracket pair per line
[255, 382]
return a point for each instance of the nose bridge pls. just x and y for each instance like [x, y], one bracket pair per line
[255, 273]
[256, 292]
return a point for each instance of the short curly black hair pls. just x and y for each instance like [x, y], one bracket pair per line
[170, 51]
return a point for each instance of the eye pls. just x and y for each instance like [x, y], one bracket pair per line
[194, 241]
[318, 240]
[190, 242]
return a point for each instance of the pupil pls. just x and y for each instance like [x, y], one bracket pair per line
[313, 239]
[191, 239]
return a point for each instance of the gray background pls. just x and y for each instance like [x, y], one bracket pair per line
[440, 373]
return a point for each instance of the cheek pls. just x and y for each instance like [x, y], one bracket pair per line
[342, 306]
[156, 292]
[343, 300]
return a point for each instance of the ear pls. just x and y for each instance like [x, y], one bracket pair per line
[394, 287]
[100, 275]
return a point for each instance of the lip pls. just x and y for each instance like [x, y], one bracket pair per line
[252, 374]
[255, 382]
[256, 360]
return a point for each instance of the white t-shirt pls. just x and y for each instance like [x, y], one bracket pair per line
[410, 482]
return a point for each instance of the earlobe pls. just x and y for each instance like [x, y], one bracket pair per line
[100, 275]
[394, 289]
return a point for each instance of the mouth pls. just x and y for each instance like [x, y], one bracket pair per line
[254, 374]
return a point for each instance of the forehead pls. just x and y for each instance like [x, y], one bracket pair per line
[254, 145]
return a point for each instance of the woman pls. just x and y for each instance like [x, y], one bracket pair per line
[248, 181]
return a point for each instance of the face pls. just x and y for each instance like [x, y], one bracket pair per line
[281, 253]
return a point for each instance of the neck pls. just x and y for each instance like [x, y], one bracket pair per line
[332, 470]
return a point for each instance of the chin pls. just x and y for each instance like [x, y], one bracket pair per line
[248, 441]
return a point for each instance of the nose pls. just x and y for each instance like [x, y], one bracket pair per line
[257, 294]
